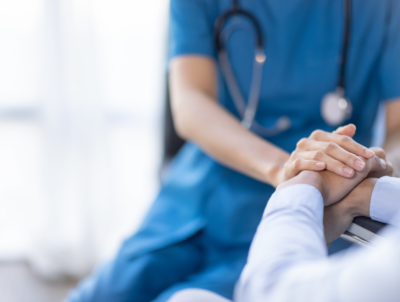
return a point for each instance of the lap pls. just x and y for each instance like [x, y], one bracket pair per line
[156, 276]
[142, 278]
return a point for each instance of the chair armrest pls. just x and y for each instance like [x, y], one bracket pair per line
[362, 231]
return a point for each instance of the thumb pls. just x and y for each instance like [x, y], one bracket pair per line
[348, 130]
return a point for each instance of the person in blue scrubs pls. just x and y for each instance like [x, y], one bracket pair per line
[198, 231]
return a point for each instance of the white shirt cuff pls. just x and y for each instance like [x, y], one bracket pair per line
[385, 200]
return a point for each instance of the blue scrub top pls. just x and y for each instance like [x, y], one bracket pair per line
[303, 46]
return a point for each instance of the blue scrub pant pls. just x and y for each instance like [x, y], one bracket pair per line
[156, 276]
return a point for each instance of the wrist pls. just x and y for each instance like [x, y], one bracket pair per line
[275, 173]
[311, 178]
[360, 197]
[314, 179]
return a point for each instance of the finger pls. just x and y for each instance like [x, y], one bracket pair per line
[336, 152]
[343, 141]
[379, 152]
[378, 174]
[348, 130]
[301, 164]
[332, 164]
[380, 167]
[377, 164]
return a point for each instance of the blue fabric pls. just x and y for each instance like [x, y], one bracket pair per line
[303, 42]
[303, 45]
[157, 275]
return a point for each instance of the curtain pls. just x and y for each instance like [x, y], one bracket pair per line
[84, 143]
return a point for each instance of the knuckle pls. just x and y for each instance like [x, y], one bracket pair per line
[380, 152]
[295, 154]
[301, 143]
[298, 163]
[316, 133]
[329, 147]
[351, 158]
[345, 139]
[318, 155]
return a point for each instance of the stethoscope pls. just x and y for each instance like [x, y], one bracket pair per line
[335, 107]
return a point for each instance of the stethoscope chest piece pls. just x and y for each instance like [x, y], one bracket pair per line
[335, 108]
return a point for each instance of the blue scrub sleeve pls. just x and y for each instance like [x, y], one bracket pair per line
[390, 64]
[191, 28]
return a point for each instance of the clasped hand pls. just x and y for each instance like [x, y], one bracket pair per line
[339, 168]
[336, 152]
[340, 206]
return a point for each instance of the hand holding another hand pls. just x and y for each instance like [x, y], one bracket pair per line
[333, 187]
[336, 152]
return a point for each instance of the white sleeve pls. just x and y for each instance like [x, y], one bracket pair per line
[385, 200]
[290, 232]
[288, 261]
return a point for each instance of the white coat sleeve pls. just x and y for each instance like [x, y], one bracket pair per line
[288, 259]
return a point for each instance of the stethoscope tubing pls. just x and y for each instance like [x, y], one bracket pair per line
[346, 38]
[248, 112]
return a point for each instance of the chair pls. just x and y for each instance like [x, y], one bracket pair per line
[171, 141]
[362, 231]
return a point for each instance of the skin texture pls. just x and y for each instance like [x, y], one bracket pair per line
[199, 118]
[338, 216]
[333, 187]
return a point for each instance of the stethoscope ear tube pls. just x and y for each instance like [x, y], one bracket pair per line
[221, 20]
[246, 112]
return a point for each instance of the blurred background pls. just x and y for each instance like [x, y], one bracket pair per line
[82, 99]
[81, 104]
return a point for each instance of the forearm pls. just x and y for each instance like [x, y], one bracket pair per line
[199, 118]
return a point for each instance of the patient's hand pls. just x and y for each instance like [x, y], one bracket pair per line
[338, 216]
[354, 194]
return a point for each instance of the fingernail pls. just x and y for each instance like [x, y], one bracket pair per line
[320, 165]
[348, 171]
[383, 164]
[369, 153]
[359, 165]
